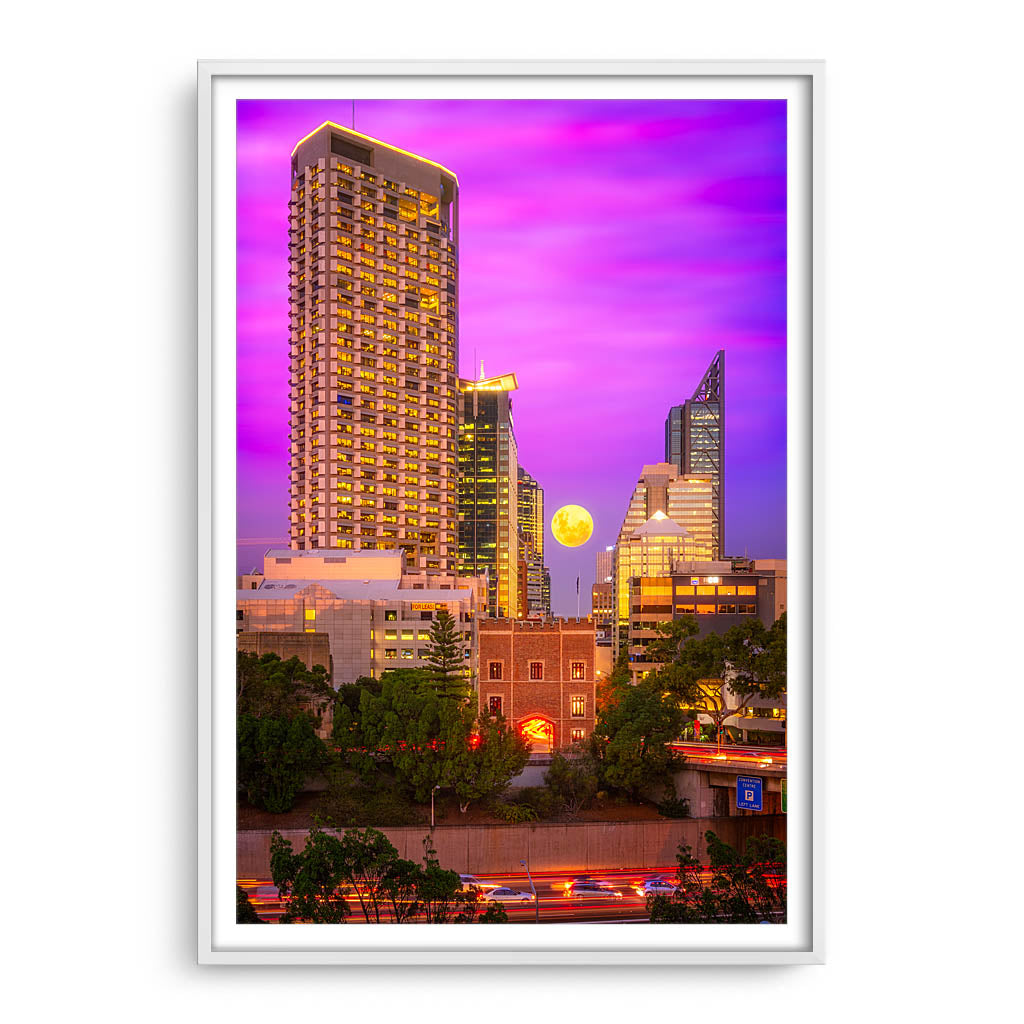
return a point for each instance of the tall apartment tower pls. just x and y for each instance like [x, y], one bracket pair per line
[488, 498]
[669, 517]
[373, 263]
[531, 541]
[695, 440]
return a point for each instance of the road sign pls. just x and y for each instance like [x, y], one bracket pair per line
[783, 796]
[748, 793]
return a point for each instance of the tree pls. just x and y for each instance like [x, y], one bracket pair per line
[631, 737]
[737, 889]
[721, 675]
[494, 914]
[440, 892]
[481, 765]
[572, 778]
[446, 655]
[274, 757]
[368, 859]
[309, 880]
[267, 687]
[424, 739]
[245, 912]
[278, 705]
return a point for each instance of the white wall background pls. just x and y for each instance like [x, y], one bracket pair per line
[923, 522]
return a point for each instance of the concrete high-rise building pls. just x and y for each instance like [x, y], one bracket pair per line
[604, 565]
[531, 545]
[695, 440]
[669, 517]
[488, 490]
[373, 262]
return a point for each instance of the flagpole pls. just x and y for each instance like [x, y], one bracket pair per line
[577, 597]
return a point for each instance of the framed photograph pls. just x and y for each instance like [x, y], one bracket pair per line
[507, 509]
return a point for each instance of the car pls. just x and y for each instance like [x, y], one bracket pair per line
[655, 887]
[592, 889]
[471, 882]
[503, 894]
[579, 879]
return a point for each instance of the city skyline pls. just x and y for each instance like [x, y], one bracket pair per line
[645, 235]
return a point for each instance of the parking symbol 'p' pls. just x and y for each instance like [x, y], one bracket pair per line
[748, 795]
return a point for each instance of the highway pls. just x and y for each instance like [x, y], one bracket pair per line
[555, 904]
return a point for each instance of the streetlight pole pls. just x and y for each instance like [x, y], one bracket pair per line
[533, 889]
[432, 792]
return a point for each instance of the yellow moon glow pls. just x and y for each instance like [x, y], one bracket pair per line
[572, 525]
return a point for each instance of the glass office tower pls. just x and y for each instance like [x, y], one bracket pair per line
[488, 491]
[695, 440]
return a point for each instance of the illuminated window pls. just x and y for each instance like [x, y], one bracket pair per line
[687, 591]
[686, 609]
[579, 670]
[494, 705]
[536, 669]
[389, 653]
[578, 706]
[575, 735]
[310, 614]
[727, 609]
[705, 609]
[494, 670]
[747, 591]
[705, 590]
[727, 590]
[748, 609]
[391, 616]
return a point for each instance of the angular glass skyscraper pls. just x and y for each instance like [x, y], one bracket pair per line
[695, 440]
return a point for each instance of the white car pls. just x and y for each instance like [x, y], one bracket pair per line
[471, 882]
[592, 889]
[503, 894]
[655, 887]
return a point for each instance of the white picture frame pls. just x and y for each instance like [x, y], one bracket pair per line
[220, 940]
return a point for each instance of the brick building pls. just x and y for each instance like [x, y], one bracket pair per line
[540, 676]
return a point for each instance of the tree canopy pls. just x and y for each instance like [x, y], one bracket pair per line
[735, 888]
[424, 738]
[278, 704]
[446, 656]
[721, 675]
[318, 882]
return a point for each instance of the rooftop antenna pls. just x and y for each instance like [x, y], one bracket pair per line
[353, 115]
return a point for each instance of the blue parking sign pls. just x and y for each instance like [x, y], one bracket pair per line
[748, 793]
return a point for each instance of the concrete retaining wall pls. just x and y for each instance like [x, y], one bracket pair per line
[498, 849]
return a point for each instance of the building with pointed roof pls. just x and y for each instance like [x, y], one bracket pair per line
[695, 441]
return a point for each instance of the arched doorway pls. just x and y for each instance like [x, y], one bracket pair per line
[539, 732]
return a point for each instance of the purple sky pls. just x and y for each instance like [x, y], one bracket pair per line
[607, 250]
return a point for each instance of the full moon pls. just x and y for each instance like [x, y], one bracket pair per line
[572, 525]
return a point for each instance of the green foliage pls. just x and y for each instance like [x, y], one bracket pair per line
[274, 757]
[628, 745]
[440, 892]
[482, 768]
[411, 732]
[672, 806]
[515, 814]
[446, 655]
[494, 914]
[365, 865]
[737, 889]
[277, 707]
[267, 687]
[718, 675]
[309, 880]
[572, 778]
[349, 801]
[245, 912]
